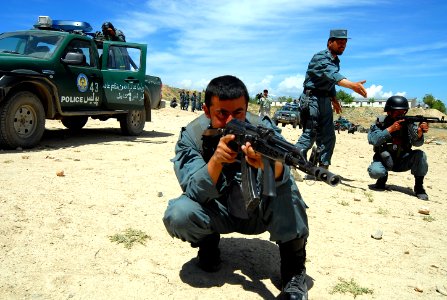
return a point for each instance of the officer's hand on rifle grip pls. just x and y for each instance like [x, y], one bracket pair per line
[224, 153]
[395, 127]
[254, 159]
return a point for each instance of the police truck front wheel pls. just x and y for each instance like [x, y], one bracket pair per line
[133, 122]
[22, 121]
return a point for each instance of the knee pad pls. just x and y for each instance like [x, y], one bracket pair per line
[374, 173]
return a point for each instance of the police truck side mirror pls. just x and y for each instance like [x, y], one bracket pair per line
[73, 58]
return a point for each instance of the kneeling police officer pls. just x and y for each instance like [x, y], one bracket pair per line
[392, 138]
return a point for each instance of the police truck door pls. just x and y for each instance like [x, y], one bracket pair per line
[123, 69]
[80, 85]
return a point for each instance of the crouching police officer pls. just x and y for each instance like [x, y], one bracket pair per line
[209, 172]
[392, 138]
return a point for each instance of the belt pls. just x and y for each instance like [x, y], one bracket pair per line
[318, 93]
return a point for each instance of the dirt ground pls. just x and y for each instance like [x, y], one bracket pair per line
[55, 230]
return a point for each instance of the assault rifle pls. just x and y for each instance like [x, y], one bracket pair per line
[264, 141]
[421, 118]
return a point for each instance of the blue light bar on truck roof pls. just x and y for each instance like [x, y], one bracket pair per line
[45, 22]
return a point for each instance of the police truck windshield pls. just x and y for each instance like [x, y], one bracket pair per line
[30, 43]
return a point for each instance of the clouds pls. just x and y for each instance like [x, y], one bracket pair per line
[376, 92]
[291, 85]
[268, 44]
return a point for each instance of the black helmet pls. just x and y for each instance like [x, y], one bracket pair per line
[396, 102]
[107, 25]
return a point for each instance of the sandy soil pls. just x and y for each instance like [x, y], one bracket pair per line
[54, 233]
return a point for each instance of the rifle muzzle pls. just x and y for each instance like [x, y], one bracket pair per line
[326, 176]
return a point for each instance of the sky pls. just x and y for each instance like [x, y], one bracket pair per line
[398, 47]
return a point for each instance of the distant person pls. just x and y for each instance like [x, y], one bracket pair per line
[199, 101]
[187, 98]
[265, 103]
[193, 101]
[173, 103]
[182, 99]
[110, 33]
[392, 140]
[319, 92]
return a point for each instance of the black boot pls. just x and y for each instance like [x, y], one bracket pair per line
[209, 253]
[419, 190]
[293, 271]
[381, 183]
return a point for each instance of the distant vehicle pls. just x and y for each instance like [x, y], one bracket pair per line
[288, 114]
[344, 124]
[59, 71]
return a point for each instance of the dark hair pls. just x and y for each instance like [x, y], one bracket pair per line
[225, 88]
[330, 40]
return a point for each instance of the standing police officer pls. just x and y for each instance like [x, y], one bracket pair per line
[392, 139]
[186, 98]
[193, 101]
[182, 99]
[319, 92]
[265, 102]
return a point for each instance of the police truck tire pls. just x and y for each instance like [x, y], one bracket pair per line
[22, 121]
[133, 122]
[74, 123]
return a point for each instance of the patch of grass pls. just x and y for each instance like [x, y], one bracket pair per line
[369, 196]
[130, 237]
[383, 211]
[350, 190]
[8, 161]
[352, 287]
[344, 203]
[428, 218]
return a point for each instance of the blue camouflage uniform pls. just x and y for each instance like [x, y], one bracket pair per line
[203, 208]
[321, 77]
[193, 102]
[186, 97]
[393, 151]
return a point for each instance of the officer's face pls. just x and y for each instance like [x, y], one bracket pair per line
[337, 46]
[223, 111]
[397, 113]
[108, 31]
